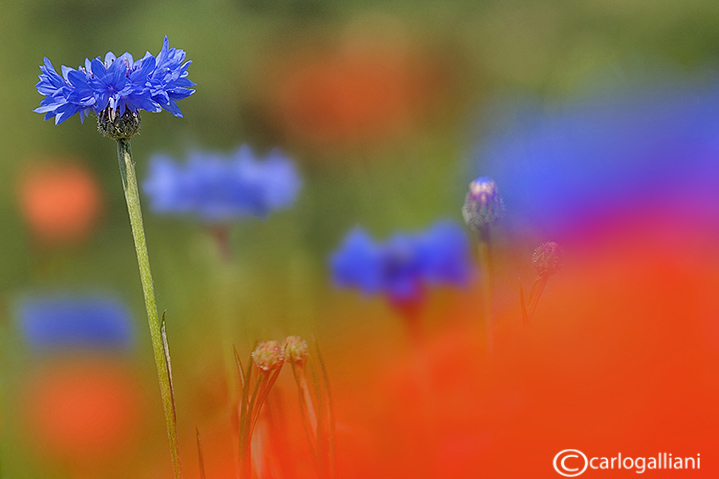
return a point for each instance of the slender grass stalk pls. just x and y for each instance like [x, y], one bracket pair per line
[317, 413]
[201, 461]
[159, 346]
[250, 407]
[484, 257]
[307, 410]
[537, 289]
[330, 436]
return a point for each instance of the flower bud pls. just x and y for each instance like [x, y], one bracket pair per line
[118, 127]
[268, 356]
[483, 205]
[296, 350]
[547, 258]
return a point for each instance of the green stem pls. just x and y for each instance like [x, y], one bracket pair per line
[484, 253]
[306, 409]
[535, 294]
[132, 197]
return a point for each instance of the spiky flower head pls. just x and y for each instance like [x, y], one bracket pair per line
[116, 89]
[268, 355]
[482, 205]
[547, 258]
[296, 350]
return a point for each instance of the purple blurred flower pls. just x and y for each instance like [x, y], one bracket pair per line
[405, 264]
[570, 168]
[116, 84]
[71, 322]
[217, 188]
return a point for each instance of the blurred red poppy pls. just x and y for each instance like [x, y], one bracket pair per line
[83, 411]
[617, 359]
[59, 201]
[367, 91]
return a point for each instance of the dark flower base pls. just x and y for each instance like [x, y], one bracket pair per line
[118, 127]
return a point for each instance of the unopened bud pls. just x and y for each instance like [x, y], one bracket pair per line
[483, 205]
[296, 350]
[268, 356]
[547, 258]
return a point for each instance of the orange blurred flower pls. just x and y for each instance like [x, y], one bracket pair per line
[373, 87]
[83, 411]
[60, 202]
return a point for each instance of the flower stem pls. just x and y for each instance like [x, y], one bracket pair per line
[535, 294]
[484, 253]
[159, 348]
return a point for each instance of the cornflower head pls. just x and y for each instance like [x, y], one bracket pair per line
[482, 206]
[219, 188]
[64, 322]
[405, 264]
[116, 89]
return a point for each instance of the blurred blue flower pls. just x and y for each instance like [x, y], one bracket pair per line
[116, 84]
[217, 188]
[404, 265]
[567, 168]
[71, 322]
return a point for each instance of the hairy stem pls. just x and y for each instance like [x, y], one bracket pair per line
[132, 197]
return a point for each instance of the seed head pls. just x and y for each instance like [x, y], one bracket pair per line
[268, 356]
[296, 350]
[547, 258]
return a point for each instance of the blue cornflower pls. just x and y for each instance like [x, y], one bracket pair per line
[405, 264]
[71, 322]
[168, 80]
[217, 188]
[115, 85]
[64, 95]
[573, 167]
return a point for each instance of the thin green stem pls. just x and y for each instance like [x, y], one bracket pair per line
[332, 457]
[306, 409]
[159, 349]
[537, 288]
[484, 256]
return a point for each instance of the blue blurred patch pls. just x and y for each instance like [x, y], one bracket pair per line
[75, 322]
[405, 264]
[563, 167]
[219, 188]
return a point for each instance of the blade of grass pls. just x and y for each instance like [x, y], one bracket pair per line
[330, 412]
[525, 316]
[199, 455]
